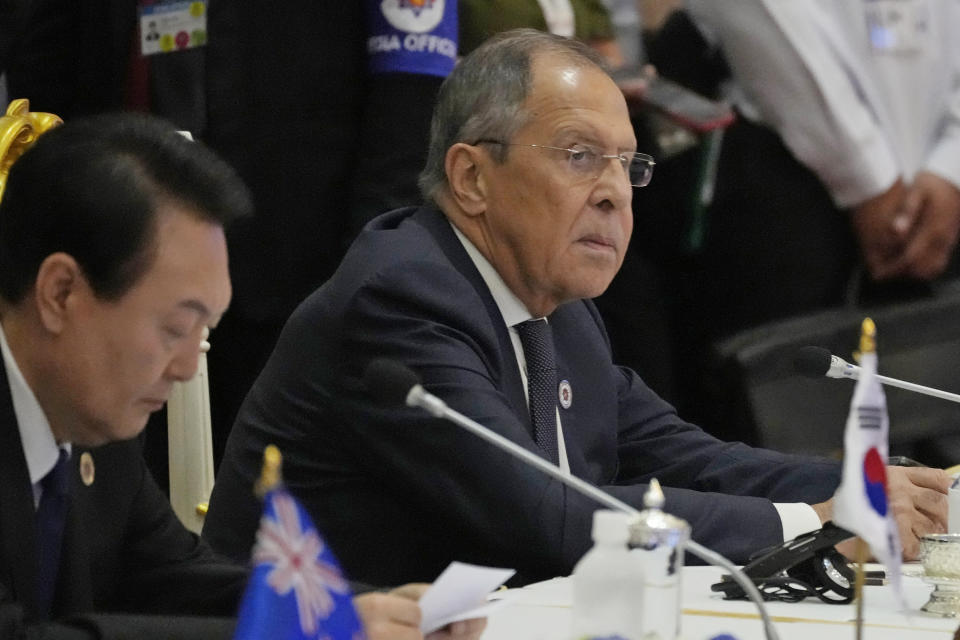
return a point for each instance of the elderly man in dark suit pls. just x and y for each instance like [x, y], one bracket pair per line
[112, 262]
[531, 168]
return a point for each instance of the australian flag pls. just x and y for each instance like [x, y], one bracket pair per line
[296, 589]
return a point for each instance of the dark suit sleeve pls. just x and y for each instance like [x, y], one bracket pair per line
[112, 626]
[13, 624]
[168, 568]
[724, 483]
[136, 627]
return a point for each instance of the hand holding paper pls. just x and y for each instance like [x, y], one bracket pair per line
[460, 593]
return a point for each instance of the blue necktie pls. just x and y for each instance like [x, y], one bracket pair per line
[51, 516]
[537, 340]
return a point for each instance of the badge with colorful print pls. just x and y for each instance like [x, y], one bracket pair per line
[172, 26]
[565, 393]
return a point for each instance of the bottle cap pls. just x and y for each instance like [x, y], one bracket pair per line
[610, 526]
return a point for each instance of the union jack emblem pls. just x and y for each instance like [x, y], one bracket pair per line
[294, 555]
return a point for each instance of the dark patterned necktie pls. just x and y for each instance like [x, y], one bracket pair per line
[51, 516]
[537, 340]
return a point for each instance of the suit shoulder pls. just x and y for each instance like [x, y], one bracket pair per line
[409, 252]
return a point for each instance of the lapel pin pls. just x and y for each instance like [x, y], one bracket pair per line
[86, 468]
[565, 392]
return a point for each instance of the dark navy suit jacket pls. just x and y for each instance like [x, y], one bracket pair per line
[124, 554]
[400, 494]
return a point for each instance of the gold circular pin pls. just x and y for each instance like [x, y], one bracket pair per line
[87, 469]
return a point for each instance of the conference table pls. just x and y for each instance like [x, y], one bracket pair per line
[542, 611]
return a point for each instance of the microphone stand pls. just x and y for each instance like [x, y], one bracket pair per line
[918, 388]
[811, 360]
[418, 397]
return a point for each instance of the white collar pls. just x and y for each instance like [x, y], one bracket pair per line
[39, 446]
[511, 308]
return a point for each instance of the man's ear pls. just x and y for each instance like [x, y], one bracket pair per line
[464, 166]
[58, 278]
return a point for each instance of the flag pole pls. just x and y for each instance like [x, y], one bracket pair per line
[862, 551]
[868, 333]
[270, 476]
[868, 344]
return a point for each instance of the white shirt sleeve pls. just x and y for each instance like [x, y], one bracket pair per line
[797, 518]
[944, 159]
[797, 73]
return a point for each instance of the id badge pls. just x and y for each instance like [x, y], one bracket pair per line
[898, 27]
[172, 26]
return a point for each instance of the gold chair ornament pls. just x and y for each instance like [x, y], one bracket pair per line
[19, 129]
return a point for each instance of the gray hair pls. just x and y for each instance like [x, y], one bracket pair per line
[483, 97]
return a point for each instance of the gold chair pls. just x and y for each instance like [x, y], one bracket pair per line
[188, 410]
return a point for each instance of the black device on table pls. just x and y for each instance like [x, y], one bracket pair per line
[807, 565]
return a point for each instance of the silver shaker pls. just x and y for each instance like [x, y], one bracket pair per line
[659, 539]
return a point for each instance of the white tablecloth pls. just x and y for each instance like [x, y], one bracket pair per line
[542, 612]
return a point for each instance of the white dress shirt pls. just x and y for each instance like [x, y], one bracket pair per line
[39, 447]
[795, 518]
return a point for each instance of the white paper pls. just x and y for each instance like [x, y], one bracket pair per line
[556, 592]
[460, 593]
[482, 611]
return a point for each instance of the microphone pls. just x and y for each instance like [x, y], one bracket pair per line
[391, 382]
[817, 361]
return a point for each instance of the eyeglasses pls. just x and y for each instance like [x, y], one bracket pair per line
[587, 162]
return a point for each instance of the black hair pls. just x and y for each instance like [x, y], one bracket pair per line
[92, 188]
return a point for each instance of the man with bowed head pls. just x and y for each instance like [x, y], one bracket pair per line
[531, 170]
[112, 262]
